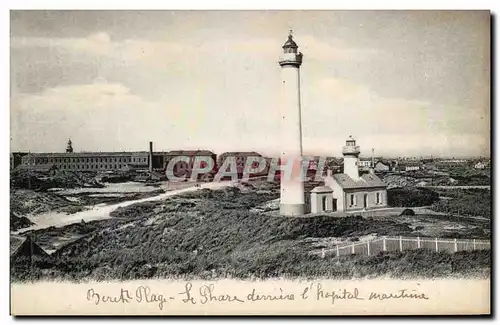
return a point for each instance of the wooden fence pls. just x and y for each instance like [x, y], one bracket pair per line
[375, 246]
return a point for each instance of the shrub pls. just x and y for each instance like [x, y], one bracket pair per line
[411, 197]
[407, 212]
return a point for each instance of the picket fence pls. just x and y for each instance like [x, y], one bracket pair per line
[375, 246]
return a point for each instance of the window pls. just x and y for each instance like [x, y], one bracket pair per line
[324, 203]
[352, 199]
[378, 198]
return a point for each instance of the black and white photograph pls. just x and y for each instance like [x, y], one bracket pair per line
[250, 162]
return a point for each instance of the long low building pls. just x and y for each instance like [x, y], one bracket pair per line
[89, 161]
[113, 161]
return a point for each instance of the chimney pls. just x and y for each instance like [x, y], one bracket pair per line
[150, 156]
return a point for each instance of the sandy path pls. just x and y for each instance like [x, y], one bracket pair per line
[102, 211]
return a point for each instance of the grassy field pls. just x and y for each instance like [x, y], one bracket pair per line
[209, 234]
[469, 202]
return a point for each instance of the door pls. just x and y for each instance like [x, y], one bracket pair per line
[365, 200]
[334, 206]
[323, 203]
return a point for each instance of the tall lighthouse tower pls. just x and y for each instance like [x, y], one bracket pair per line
[351, 154]
[292, 186]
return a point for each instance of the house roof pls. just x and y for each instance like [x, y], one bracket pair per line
[334, 161]
[86, 154]
[15, 243]
[365, 181]
[189, 153]
[322, 189]
[18, 245]
[383, 162]
[240, 153]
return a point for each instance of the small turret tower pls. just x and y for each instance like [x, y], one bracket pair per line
[351, 153]
[69, 147]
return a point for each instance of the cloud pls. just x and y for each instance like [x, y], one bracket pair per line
[335, 108]
[94, 115]
[157, 53]
[335, 50]
[96, 44]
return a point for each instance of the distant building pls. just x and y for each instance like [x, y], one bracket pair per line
[480, 165]
[16, 159]
[96, 161]
[408, 166]
[184, 168]
[382, 166]
[364, 164]
[335, 164]
[241, 158]
[451, 162]
[87, 161]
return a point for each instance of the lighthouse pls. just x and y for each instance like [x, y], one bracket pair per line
[351, 153]
[292, 186]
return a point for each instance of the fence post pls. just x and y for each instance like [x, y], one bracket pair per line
[400, 243]
[418, 242]
[437, 249]
[368, 246]
[384, 244]
[338, 252]
[352, 248]
[322, 253]
[474, 244]
[456, 245]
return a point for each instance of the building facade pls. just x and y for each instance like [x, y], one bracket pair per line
[382, 166]
[98, 161]
[16, 159]
[241, 158]
[184, 168]
[364, 164]
[408, 167]
[88, 161]
[350, 192]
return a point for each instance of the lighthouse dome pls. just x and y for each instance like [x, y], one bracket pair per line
[290, 43]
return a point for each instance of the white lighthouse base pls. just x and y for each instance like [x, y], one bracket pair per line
[291, 210]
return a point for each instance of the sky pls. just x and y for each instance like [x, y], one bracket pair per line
[406, 83]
